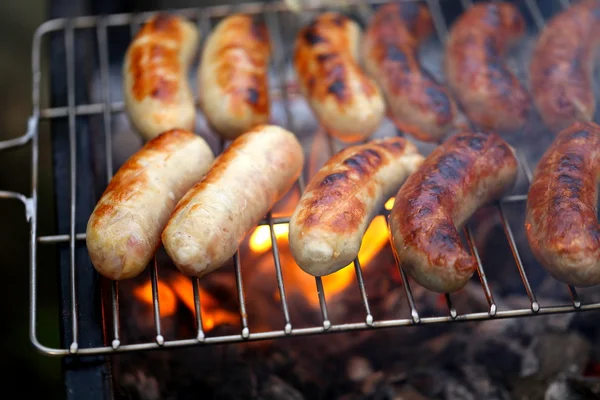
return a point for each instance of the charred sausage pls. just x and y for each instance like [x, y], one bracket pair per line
[562, 65]
[212, 219]
[561, 222]
[418, 104]
[327, 226]
[155, 88]
[458, 177]
[232, 78]
[491, 95]
[124, 228]
[346, 102]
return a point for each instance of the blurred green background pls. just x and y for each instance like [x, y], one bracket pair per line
[22, 366]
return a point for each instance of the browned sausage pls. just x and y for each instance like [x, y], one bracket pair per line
[253, 173]
[232, 78]
[418, 104]
[156, 91]
[561, 222]
[124, 229]
[344, 99]
[491, 95]
[562, 65]
[457, 178]
[328, 225]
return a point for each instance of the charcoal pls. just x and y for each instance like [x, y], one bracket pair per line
[276, 389]
[572, 388]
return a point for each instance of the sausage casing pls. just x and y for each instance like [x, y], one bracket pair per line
[124, 229]
[347, 103]
[561, 221]
[418, 104]
[327, 226]
[561, 69]
[233, 76]
[247, 179]
[458, 177]
[155, 88]
[490, 94]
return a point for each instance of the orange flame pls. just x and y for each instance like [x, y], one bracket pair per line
[212, 315]
[166, 297]
[374, 240]
[390, 203]
[180, 288]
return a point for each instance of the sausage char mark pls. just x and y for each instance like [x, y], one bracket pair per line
[155, 59]
[339, 183]
[466, 172]
[130, 179]
[562, 65]
[243, 63]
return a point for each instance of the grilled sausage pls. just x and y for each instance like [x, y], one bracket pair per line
[346, 102]
[327, 226]
[561, 221]
[457, 178]
[562, 65]
[211, 220]
[417, 103]
[232, 78]
[124, 229]
[491, 95]
[155, 88]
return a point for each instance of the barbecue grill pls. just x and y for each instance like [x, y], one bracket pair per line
[91, 327]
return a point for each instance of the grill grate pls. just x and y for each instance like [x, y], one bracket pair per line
[106, 109]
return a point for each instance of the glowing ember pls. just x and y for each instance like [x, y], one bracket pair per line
[212, 315]
[168, 301]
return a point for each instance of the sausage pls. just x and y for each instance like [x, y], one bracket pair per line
[418, 104]
[347, 103]
[490, 94]
[561, 68]
[232, 77]
[155, 89]
[247, 179]
[561, 219]
[123, 231]
[461, 175]
[329, 222]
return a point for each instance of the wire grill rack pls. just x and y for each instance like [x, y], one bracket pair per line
[271, 12]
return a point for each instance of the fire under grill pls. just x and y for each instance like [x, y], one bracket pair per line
[91, 115]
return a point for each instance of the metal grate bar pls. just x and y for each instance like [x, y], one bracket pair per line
[278, 272]
[451, 309]
[279, 62]
[565, 3]
[70, 50]
[538, 18]
[484, 283]
[438, 19]
[160, 340]
[101, 34]
[414, 314]
[204, 24]
[466, 3]
[524, 163]
[241, 296]
[322, 303]
[574, 296]
[198, 309]
[363, 291]
[535, 306]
